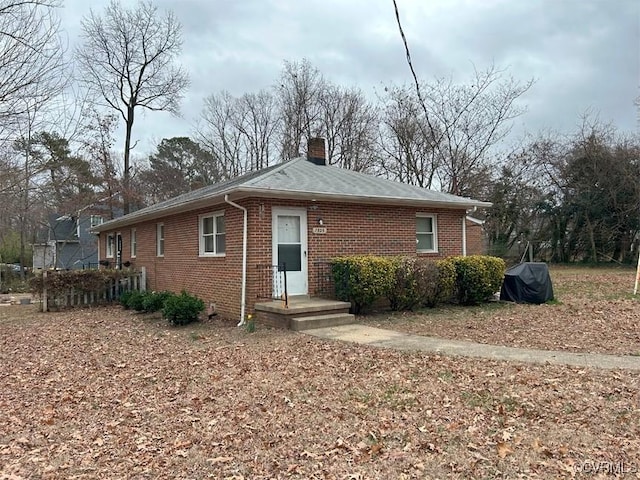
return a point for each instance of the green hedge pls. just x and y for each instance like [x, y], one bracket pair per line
[419, 282]
[362, 279]
[409, 282]
[477, 277]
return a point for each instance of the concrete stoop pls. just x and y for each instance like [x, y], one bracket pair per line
[322, 321]
[304, 313]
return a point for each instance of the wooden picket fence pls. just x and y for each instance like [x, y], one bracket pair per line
[132, 281]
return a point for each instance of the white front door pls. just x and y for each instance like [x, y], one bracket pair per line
[289, 233]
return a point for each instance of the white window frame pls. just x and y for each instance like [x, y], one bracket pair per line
[134, 243]
[99, 220]
[160, 239]
[110, 245]
[201, 242]
[434, 226]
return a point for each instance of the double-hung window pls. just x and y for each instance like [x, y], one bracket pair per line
[134, 243]
[426, 233]
[160, 239]
[96, 220]
[212, 236]
[110, 245]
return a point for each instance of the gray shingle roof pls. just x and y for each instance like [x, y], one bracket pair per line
[299, 178]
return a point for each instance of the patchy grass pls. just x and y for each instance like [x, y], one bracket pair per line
[106, 393]
[594, 311]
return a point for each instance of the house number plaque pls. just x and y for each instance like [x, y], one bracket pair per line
[320, 230]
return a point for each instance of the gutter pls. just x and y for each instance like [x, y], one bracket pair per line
[464, 235]
[244, 259]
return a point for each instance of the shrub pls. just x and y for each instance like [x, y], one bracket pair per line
[477, 277]
[182, 309]
[495, 271]
[135, 301]
[403, 293]
[362, 279]
[420, 282]
[154, 301]
[435, 282]
[125, 297]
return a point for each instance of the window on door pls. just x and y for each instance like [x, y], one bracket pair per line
[289, 243]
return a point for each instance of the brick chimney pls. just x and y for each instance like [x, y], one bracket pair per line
[316, 152]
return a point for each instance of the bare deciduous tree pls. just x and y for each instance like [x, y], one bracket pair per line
[218, 133]
[31, 56]
[350, 124]
[97, 147]
[245, 133]
[406, 143]
[257, 122]
[239, 132]
[298, 93]
[470, 119]
[128, 60]
[446, 134]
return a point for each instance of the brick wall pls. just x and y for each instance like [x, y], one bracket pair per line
[476, 239]
[350, 229]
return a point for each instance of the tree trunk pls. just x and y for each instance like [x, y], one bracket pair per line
[126, 194]
[592, 241]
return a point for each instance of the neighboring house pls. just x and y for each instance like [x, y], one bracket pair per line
[302, 212]
[68, 243]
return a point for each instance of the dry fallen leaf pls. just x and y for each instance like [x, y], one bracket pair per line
[342, 393]
[503, 449]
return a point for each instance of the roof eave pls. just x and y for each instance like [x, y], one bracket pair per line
[142, 216]
[244, 192]
[368, 199]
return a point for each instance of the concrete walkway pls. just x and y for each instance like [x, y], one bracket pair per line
[378, 337]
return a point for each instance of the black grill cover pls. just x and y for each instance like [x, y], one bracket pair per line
[527, 283]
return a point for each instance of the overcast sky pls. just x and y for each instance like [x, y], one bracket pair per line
[583, 54]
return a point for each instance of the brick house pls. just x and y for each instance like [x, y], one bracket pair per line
[476, 237]
[215, 241]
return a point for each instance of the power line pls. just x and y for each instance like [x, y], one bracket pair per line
[415, 76]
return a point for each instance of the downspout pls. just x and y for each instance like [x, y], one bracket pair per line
[244, 259]
[464, 234]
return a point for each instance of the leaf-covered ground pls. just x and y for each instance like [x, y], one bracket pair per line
[595, 312]
[110, 394]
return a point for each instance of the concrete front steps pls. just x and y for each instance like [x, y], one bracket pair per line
[304, 313]
[322, 321]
